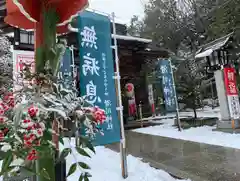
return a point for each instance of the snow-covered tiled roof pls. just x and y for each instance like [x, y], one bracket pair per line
[132, 38]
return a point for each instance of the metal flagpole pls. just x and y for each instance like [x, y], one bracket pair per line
[77, 141]
[73, 67]
[120, 107]
[176, 99]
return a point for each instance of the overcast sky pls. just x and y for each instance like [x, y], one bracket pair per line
[123, 9]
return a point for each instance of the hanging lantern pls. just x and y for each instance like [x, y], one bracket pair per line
[25, 14]
[129, 89]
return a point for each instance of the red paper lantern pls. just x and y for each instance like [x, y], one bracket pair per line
[129, 90]
[26, 14]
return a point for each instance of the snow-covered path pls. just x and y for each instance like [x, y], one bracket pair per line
[203, 134]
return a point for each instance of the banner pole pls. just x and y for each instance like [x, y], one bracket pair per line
[176, 99]
[123, 152]
[73, 66]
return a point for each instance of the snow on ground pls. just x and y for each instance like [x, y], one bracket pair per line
[206, 112]
[203, 134]
[105, 166]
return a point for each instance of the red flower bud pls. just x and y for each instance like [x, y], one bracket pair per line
[26, 121]
[32, 111]
[99, 115]
[2, 120]
[1, 136]
[2, 112]
[32, 155]
[5, 131]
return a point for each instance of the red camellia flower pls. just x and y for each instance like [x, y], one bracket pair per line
[30, 128]
[8, 99]
[2, 112]
[2, 120]
[5, 131]
[99, 115]
[26, 121]
[38, 143]
[32, 111]
[7, 96]
[11, 103]
[39, 132]
[4, 107]
[28, 140]
[32, 155]
[1, 136]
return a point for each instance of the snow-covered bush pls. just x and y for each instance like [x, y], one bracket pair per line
[5, 64]
[29, 118]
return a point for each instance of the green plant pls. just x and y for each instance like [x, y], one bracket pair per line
[30, 116]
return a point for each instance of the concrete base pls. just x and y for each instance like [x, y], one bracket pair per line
[224, 124]
[235, 131]
[227, 124]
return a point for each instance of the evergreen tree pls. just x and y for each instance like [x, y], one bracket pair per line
[189, 86]
[135, 27]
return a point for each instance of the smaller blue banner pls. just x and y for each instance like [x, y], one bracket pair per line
[65, 73]
[167, 84]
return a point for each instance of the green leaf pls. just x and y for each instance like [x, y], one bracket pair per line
[82, 152]
[64, 154]
[21, 153]
[72, 169]
[47, 135]
[82, 118]
[83, 165]
[2, 155]
[87, 143]
[64, 93]
[28, 171]
[81, 177]
[61, 140]
[88, 174]
[84, 139]
[7, 161]
[86, 178]
[45, 174]
[7, 170]
[9, 140]
[90, 146]
[2, 126]
[42, 148]
[90, 117]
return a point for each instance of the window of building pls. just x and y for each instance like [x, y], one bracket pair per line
[26, 37]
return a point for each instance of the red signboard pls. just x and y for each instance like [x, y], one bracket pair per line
[230, 81]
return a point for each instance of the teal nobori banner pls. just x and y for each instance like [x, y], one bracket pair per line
[97, 71]
[167, 83]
